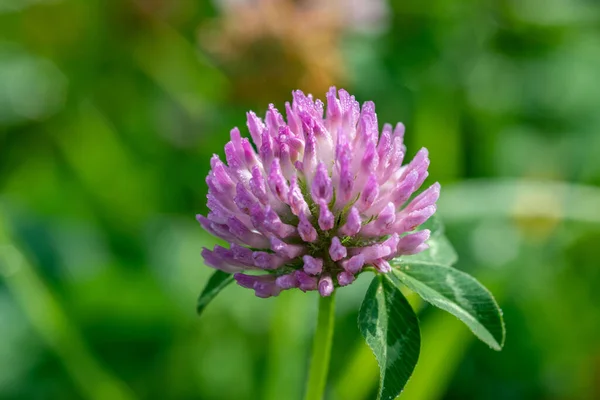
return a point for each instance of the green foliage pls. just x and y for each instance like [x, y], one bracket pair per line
[217, 282]
[390, 327]
[440, 249]
[458, 293]
[430, 275]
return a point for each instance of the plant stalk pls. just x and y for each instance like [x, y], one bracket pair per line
[321, 352]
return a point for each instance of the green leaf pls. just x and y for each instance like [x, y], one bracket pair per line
[391, 329]
[440, 252]
[217, 282]
[440, 249]
[456, 292]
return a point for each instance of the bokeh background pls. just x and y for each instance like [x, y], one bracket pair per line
[110, 111]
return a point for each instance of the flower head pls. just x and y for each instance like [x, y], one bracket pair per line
[319, 197]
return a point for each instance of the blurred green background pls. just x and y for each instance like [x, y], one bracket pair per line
[110, 111]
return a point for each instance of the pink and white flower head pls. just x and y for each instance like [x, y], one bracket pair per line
[319, 197]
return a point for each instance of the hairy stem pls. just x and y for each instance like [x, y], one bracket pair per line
[321, 353]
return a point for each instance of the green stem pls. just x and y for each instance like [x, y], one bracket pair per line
[321, 353]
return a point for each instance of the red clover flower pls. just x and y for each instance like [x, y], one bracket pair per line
[322, 196]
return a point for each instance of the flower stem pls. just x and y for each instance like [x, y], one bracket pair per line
[321, 352]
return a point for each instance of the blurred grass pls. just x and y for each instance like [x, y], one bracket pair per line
[110, 111]
[50, 320]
